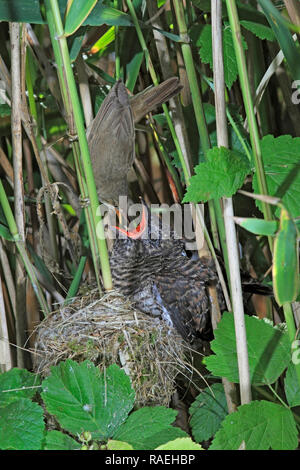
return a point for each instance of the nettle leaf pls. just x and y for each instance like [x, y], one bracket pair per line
[291, 386]
[207, 412]
[201, 36]
[149, 427]
[222, 174]
[281, 159]
[268, 350]
[261, 425]
[260, 30]
[83, 399]
[184, 443]
[21, 425]
[16, 384]
[56, 440]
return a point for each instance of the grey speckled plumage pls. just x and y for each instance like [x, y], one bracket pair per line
[163, 281]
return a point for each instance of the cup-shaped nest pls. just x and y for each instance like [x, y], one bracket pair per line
[109, 330]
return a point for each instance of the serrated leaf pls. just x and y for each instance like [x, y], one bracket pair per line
[291, 386]
[281, 159]
[222, 174]
[261, 425]
[118, 445]
[201, 36]
[82, 399]
[56, 440]
[21, 425]
[16, 384]
[268, 351]
[149, 427]
[184, 443]
[207, 412]
[260, 30]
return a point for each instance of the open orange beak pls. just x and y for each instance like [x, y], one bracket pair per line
[139, 230]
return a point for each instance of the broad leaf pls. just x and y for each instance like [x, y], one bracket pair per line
[56, 440]
[21, 425]
[16, 384]
[291, 386]
[222, 174]
[149, 427]
[82, 399]
[261, 425]
[268, 350]
[207, 412]
[281, 159]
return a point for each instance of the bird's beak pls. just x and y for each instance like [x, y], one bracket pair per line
[138, 231]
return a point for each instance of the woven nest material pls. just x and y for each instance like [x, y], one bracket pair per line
[109, 330]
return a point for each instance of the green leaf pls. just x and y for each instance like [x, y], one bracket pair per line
[291, 386]
[183, 443]
[207, 412]
[28, 11]
[285, 268]
[261, 425]
[21, 425]
[222, 174]
[22, 384]
[77, 13]
[118, 445]
[149, 427]
[5, 110]
[102, 14]
[25, 11]
[201, 36]
[82, 399]
[281, 159]
[5, 233]
[279, 25]
[257, 226]
[268, 350]
[56, 440]
[260, 30]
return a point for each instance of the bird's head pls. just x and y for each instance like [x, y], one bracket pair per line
[149, 236]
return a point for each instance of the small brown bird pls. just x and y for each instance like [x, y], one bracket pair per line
[111, 135]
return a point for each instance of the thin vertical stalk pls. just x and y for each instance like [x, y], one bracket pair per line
[117, 47]
[246, 92]
[70, 95]
[5, 353]
[214, 206]
[231, 240]
[22, 250]
[16, 132]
